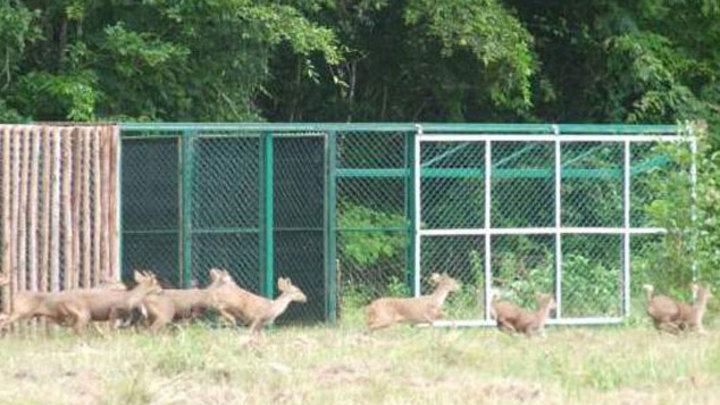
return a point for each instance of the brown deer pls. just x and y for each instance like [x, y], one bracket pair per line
[33, 304]
[673, 316]
[174, 304]
[79, 307]
[235, 303]
[512, 318]
[386, 311]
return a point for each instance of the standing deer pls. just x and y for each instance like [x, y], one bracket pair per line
[79, 307]
[674, 316]
[175, 304]
[235, 303]
[511, 318]
[386, 311]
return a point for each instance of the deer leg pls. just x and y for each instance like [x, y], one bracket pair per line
[228, 316]
[505, 326]
[256, 327]
[78, 319]
[14, 317]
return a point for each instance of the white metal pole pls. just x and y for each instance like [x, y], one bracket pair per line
[448, 137]
[693, 210]
[418, 204]
[626, 228]
[558, 226]
[488, 223]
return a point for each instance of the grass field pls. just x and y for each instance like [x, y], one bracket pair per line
[343, 365]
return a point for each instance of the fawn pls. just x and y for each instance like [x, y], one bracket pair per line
[673, 316]
[236, 303]
[386, 311]
[176, 304]
[512, 318]
[79, 307]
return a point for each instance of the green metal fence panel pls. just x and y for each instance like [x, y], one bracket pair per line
[150, 207]
[226, 200]
[299, 219]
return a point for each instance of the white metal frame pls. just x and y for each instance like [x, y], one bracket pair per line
[558, 230]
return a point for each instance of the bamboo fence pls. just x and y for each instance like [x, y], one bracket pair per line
[58, 204]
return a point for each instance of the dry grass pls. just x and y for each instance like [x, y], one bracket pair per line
[403, 365]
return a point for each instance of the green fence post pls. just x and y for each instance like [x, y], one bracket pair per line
[410, 209]
[187, 169]
[267, 275]
[331, 287]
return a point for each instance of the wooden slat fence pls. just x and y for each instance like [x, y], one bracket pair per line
[58, 204]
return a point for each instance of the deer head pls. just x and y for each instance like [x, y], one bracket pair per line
[545, 301]
[445, 281]
[147, 282]
[287, 288]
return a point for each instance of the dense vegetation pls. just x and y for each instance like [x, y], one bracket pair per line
[649, 61]
[360, 60]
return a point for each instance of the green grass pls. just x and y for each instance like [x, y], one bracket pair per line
[343, 365]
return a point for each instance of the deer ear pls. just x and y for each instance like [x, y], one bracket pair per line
[281, 284]
[138, 276]
[215, 274]
[435, 278]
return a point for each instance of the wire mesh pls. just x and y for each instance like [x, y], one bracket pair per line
[375, 211]
[453, 185]
[225, 205]
[299, 212]
[523, 184]
[150, 208]
[592, 184]
[372, 210]
[592, 281]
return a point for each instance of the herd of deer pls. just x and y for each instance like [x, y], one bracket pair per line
[115, 304]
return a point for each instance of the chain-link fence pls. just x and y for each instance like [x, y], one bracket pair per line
[351, 212]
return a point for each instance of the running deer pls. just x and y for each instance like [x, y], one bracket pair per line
[511, 318]
[387, 311]
[33, 304]
[173, 305]
[235, 303]
[673, 316]
[79, 307]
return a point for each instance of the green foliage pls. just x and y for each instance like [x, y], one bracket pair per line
[364, 249]
[491, 34]
[519, 283]
[58, 97]
[16, 32]
[592, 285]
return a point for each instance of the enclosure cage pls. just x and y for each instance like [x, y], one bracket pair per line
[351, 212]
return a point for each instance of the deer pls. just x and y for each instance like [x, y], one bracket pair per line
[176, 304]
[386, 311]
[512, 318]
[33, 304]
[79, 307]
[235, 303]
[674, 316]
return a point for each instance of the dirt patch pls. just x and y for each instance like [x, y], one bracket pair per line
[514, 391]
